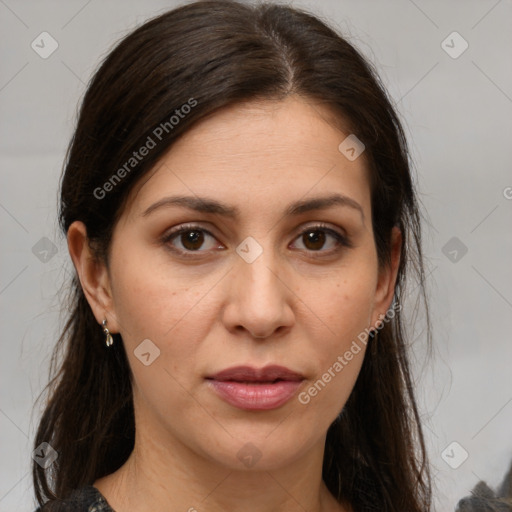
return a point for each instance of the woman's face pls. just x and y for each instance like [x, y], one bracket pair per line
[268, 272]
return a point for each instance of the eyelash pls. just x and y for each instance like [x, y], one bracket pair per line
[342, 241]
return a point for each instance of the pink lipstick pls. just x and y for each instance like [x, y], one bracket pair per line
[255, 389]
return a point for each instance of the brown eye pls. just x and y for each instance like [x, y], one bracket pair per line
[192, 240]
[315, 238]
[189, 239]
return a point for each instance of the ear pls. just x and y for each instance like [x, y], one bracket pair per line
[387, 279]
[93, 275]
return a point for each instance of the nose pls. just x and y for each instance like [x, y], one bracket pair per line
[260, 299]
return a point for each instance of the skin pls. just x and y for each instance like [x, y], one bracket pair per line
[300, 304]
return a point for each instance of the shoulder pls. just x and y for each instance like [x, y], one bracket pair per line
[85, 499]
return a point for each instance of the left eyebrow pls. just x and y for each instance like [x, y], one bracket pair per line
[207, 205]
[323, 203]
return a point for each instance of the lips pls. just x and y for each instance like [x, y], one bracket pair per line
[253, 389]
[249, 374]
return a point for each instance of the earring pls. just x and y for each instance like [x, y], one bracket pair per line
[109, 341]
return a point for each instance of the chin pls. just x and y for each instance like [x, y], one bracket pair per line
[267, 450]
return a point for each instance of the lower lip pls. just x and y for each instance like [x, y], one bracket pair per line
[255, 397]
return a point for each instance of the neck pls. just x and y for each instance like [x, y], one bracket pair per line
[170, 476]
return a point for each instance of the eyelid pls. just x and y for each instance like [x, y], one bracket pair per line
[322, 226]
[341, 238]
[183, 228]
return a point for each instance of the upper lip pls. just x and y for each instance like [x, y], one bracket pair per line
[249, 374]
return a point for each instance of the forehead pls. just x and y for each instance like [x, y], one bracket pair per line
[256, 154]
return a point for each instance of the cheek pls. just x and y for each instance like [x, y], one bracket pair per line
[345, 306]
[152, 301]
[151, 304]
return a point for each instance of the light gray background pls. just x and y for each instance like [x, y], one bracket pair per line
[457, 115]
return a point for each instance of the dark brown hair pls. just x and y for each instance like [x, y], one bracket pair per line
[214, 54]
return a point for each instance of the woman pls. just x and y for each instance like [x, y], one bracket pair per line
[241, 217]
